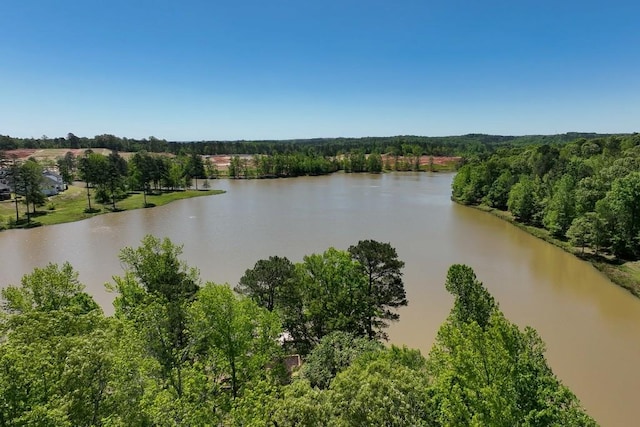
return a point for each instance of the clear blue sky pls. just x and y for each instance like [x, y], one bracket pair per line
[194, 70]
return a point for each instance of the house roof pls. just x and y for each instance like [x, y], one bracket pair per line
[52, 174]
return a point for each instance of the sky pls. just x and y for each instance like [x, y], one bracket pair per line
[227, 70]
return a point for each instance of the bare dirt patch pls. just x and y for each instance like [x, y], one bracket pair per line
[439, 160]
[20, 154]
[222, 161]
[53, 153]
[424, 160]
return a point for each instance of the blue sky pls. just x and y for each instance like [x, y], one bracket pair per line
[200, 70]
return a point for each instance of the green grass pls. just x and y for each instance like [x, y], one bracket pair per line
[447, 167]
[72, 205]
[624, 274]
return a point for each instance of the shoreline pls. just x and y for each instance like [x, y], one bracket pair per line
[618, 272]
[71, 206]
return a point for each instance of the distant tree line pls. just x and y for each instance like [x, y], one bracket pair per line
[327, 147]
[586, 191]
[179, 352]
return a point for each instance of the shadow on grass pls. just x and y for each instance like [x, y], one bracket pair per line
[601, 258]
[23, 223]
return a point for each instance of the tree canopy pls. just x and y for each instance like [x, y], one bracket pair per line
[355, 291]
[585, 190]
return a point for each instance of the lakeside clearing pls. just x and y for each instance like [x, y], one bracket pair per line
[623, 273]
[71, 205]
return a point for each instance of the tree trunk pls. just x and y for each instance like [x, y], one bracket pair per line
[234, 386]
[113, 197]
[88, 196]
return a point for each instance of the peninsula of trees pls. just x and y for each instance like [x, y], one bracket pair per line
[110, 180]
[182, 352]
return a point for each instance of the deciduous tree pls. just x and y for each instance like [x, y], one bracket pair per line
[92, 168]
[333, 295]
[155, 293]
[195, 167]
[67, 166]
[29, 184]
[383, 388]
[621, 211]
[485, 371]
[522, 200]
[561, 209]
[333, 354]
[236, 337]
[47, 289]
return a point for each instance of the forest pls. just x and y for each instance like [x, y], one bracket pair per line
[585, 192]
[180, 351]
[325, 147]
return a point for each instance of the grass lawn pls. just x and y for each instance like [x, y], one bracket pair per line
[71, 205]
[626, 274]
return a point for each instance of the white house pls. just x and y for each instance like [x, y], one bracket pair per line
[52, 183]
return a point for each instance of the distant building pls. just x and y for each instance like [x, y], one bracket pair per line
[52, 183]
[5, 191]
[292, 362]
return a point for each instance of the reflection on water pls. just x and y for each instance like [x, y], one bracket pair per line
[592, 328]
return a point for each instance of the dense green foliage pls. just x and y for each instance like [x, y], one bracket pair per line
[353, 291]
[334, 353]
[178, 352]
[587, 191]
[487, 372]
[473, 303]
[400, 145]
[280, 165]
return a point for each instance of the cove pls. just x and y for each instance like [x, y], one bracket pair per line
[591, 327]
